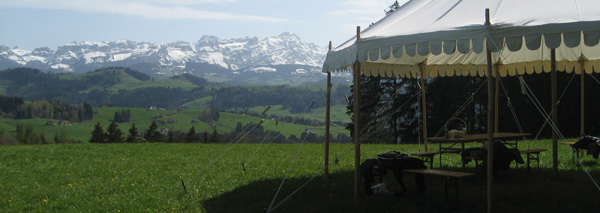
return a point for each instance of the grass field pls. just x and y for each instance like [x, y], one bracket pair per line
[142, 118]
[338, 112]
[148, 178]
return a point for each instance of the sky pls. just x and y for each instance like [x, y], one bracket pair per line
[29, 24]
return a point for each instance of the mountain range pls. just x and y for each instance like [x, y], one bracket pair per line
[283, 59]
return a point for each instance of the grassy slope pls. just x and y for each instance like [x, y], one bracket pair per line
[147, 177]
[142, 119]
[129, 82]
[338, 112]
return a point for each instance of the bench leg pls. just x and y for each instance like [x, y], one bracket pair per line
[533, 157]
[428, 159]
[448, 182]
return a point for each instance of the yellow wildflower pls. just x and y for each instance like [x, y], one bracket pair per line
[45, 201]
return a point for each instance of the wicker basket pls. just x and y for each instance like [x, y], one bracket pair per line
[455, 133]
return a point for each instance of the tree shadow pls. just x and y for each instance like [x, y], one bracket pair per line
[515, 190]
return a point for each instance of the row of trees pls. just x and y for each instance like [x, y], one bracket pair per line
[289, 119]
[250, 133]
[390, 108]
[26, 134]
[15, 107]
[10, 104]
[32, 84]
[295, 99]
[122, 117]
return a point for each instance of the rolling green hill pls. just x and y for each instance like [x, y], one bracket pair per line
[173, 120]
[185, 97]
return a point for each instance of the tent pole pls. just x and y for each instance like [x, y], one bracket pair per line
[490, 122]
[554, 111]
[582, 125]
[357, 94]
[424, 103]
[327, 121]
[496, 101]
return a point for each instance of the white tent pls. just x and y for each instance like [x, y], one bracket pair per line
[431, 38]
[448, 36]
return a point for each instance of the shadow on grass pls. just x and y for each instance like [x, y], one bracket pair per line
[515, 190]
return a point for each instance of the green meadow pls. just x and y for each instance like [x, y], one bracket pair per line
[172, 120]
[150, 177]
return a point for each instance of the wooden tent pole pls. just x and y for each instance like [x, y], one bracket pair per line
[357, 94]
[582, 87]
[424, 103]
[554, 111]
[490, 122]
[327, 121]
[496, 99]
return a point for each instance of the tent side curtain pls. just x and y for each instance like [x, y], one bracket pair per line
[432, 71]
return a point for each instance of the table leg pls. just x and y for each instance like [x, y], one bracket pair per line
[441, 152]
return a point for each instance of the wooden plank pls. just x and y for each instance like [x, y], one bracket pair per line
[438, 172]
[532, 151]
[434, 153]
[478, 137]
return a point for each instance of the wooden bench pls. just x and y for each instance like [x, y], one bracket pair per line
[533, 155]
[450, 177]
[428, 156]
[477, 159]
[578, 152]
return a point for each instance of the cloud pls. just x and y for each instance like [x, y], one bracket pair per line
[157, 9]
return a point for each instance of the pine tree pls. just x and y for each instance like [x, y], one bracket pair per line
[88, 111]
[114, 134]
[61, 137]
[191, 136]
[214, 138]
[98, 134]
[152, 134]
[133, 134]
[118, 117]
[43, 139]
[127, 115]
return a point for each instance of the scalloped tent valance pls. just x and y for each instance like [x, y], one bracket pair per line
[449, 38]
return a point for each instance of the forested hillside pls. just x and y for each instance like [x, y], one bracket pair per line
[124, 87]
[118, 104]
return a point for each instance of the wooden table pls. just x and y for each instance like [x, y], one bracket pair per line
[503, 137]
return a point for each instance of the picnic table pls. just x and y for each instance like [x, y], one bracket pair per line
[448, 145]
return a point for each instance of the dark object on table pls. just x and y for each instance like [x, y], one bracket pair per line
[395, 161]
[589, 143]
[503, 156]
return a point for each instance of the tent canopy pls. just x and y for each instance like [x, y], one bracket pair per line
[449, 37]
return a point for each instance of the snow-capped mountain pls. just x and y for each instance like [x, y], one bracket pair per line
[210, 55]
